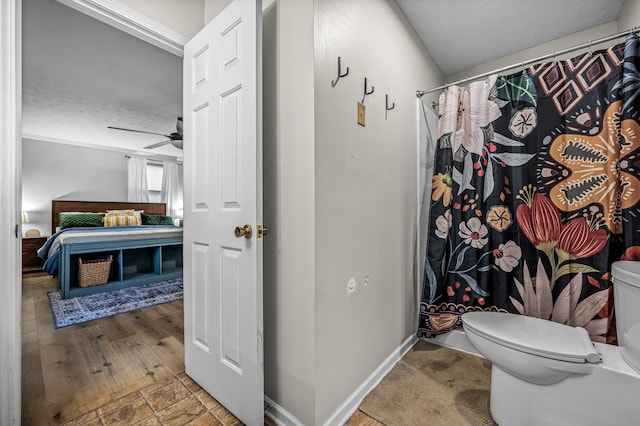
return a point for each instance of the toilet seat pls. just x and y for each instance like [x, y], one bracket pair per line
[534, 336]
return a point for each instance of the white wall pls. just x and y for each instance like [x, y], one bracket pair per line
[340, 199]
[365, 190]
[184, 17]
[213, 7]
[58, 171]
[289, 208]
[70, 172]
[629, 15]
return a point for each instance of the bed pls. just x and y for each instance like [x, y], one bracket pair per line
[139, 254]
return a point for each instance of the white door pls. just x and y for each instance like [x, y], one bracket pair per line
[223, 190]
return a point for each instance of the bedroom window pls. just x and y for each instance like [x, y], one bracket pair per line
[154, 182]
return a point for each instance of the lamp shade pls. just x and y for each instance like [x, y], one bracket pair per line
[25, 217]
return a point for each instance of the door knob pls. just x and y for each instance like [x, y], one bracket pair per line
[244, 231]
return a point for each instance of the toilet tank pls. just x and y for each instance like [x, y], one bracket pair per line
[626, 297]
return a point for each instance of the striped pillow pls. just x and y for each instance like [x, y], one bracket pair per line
[127, 212]
[122, 220]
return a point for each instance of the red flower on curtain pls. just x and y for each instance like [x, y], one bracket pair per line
[538, 218]
[540, 221]
[581, 238]
[631, 253]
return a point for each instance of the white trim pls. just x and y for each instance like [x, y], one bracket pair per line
[117, 15]
[351, 404]
[10, 178]
[279, 415]
[147, 154]
[282, 417]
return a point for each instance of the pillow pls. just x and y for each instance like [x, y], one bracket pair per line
[74, 220]
[153, 219]
[122, 220]
[127, 212]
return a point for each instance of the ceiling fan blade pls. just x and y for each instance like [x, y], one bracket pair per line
[156, 145]
[138, 131]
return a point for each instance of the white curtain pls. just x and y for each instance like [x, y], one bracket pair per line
[137, 188]
[170, 187]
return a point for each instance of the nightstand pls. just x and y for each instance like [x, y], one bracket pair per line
[30, 260]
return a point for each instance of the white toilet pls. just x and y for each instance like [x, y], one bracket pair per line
[545, 373]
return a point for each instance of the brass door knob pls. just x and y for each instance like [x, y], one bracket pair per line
[244, 231]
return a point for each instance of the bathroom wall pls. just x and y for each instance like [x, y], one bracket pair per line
[340, 198]
[629, 16]
[365, 190]
[289, 208]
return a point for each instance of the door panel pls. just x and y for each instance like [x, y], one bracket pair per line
[223, 184]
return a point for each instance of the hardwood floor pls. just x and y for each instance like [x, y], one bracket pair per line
[123, 370]
[72, 370]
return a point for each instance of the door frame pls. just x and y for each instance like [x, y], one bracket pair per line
[10, 187]
[11, 176]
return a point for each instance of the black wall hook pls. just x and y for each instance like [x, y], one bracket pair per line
[340, 73]
[367, 92]
[386, 100]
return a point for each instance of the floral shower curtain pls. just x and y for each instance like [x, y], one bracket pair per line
[536, 191]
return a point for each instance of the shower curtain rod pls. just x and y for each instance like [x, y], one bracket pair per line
[589, 44]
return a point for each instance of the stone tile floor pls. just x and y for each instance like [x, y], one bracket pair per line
[176, 401]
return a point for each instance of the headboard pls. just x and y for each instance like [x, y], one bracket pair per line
[58, 206]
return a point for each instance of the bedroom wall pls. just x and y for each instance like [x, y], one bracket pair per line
[58, 171]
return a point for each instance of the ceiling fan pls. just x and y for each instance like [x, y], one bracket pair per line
[175, 138]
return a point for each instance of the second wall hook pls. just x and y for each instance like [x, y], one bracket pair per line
[386, 100]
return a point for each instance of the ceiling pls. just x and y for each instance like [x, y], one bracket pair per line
[460, 34]
[81, 75]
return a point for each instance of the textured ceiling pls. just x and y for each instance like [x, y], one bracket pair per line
[80, 76]
[460, 34]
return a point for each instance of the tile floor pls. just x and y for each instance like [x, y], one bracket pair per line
[177, 401]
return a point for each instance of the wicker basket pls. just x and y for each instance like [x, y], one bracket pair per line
[94, 271]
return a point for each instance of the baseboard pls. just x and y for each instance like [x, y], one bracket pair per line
[279, 415]
[349, 406]
[455, 339]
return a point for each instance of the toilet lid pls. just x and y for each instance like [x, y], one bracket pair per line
[533, 335]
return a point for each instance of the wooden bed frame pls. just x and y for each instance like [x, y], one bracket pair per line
[61, 206]
[166, 253]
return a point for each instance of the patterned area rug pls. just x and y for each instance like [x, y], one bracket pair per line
[86, 308]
